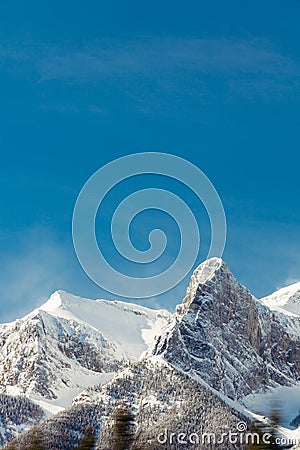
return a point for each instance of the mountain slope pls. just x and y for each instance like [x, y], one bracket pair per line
[69, 343]
[164, 402]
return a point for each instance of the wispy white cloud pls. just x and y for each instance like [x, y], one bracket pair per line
[291, 280]
[147, 55]
[41, 263]
[246, 67]
[29, 274]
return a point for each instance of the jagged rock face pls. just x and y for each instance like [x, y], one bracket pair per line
[222, 334]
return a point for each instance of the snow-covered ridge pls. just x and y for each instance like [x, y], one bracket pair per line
[70, 343]
[132, 327]
[285, 300]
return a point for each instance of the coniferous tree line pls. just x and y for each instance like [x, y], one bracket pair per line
[14, 412]
[156, 398]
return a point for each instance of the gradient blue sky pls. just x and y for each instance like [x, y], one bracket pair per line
[217, 83]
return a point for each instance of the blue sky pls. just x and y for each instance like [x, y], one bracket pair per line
[83, 84]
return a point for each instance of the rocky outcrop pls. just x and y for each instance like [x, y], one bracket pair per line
[223, 335]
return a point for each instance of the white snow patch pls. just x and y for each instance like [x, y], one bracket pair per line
[285, 300]
[131, 327]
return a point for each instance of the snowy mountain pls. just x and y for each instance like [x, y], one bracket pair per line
[235, 343]
[209, 365]
[70, 343]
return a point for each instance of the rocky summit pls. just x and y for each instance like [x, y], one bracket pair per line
[223, 335]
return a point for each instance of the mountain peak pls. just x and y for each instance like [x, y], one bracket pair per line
[207, 269]
[71, 342]
[57, 300]
[210, 271]
[221, 334]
